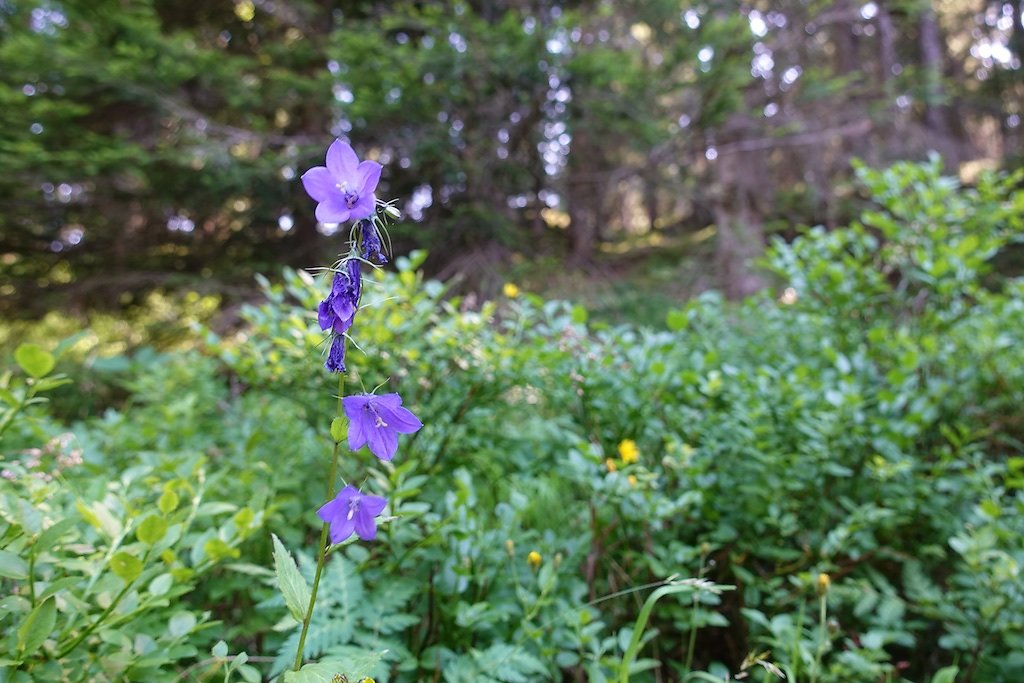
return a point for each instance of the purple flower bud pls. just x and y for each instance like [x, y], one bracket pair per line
[372, 249]
[336, 356]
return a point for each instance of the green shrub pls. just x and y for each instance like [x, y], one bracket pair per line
[865, 426]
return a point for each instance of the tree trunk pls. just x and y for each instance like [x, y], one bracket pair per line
[740, 226]
[931, 67]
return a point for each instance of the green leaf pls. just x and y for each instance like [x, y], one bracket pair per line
[168, 502]
[37, 627]
[946, 675]
[152, 530]
[220, 650]
[35, 361]
[677, 320]
[49, 537]
[293, 587]
[126, 566]
[181, 624]
[161, 584]
[12, 566]
[325, 671]
[579, 314]
[338, 429]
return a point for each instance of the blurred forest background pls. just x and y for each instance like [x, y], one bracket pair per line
[158, 145]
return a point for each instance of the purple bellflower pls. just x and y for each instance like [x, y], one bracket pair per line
[377, 421]
[338, 310]
[352, 511]
[344, 188]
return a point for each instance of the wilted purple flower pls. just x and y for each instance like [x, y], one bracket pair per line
[352, 511]
[344, 188]
[378, 420]
[372, 248]
[337, 311]
[336, 356]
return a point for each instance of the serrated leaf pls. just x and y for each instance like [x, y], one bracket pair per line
[37, 627]
[126, 566]
[34, 360]
[293, 586]
[152, 530]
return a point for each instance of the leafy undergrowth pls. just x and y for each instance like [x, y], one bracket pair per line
[865, 426]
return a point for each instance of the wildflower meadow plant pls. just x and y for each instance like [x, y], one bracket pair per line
[344, 190]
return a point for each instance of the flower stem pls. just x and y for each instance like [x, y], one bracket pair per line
[324, 542]
[822, 635]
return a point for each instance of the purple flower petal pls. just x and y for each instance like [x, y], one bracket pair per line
[332, 210]
[365, 525]
[341, 528]
[400, 419]
[319, 183]
[364, 207]
[374, 504]
[329, 510]
[369, 172]
[342, 162]
[325, 316]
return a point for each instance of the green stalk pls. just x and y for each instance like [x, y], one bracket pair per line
[66, 650]
[324, 541]
[693, 616]
[670, 587]
[822, 613]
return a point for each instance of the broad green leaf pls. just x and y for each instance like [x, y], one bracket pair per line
[579, 314]
[34, 360]
[338, 429]
[126, 566]
[37, 627]
[293, 587]
[181, 624]
[220, 650]
[677, 320]
[168, 502]
[12, 566]
[161, 584]
[152, 530]
[946, 675]
[326, 671]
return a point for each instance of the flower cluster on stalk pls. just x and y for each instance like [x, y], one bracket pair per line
[344, 190]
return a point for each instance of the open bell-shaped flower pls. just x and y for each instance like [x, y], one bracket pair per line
[344, 188]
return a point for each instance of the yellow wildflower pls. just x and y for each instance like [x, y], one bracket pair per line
[510, 290]
[533, 559]
[610, 464]
[628, 451]
[631, 479]
[824, 581]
